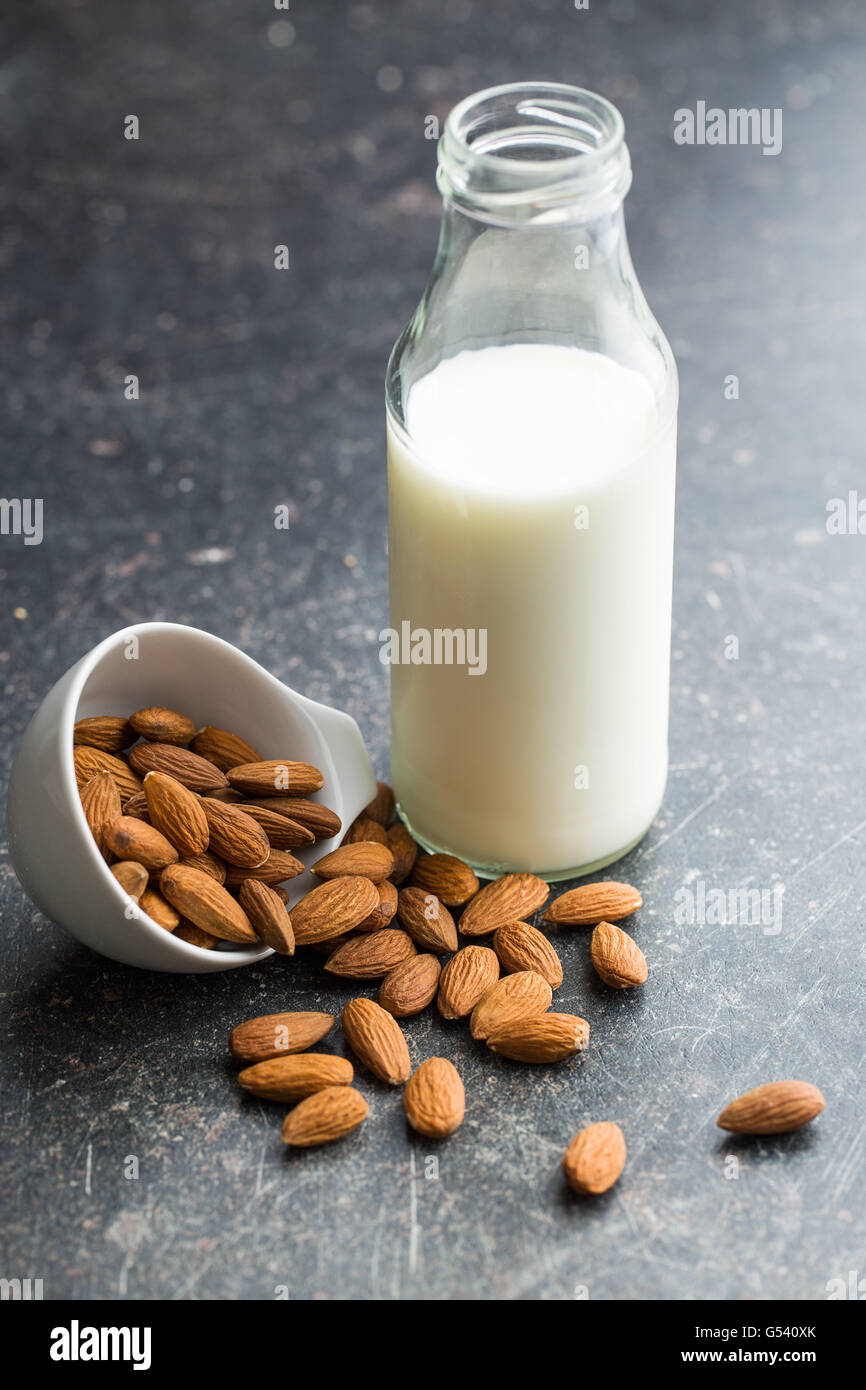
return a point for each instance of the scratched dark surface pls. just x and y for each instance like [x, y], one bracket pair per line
[261, 387]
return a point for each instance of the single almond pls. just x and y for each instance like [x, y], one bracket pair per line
[293, 1078]
[132, 877]
[434, 1098]
[384, 911]
[521, 946]
[109, 732]
[366, 858]
[507, 1001]
[234, 835]
[275, 777]
[194, 936]
[277, 868]
[207, 864]
[186, 767]
[271, 922]
[774, 1108]
[205, 902]
[161, 725]
[223, 749]
[177, 813]
[617, 957]
[507, 899]
[324, 1116]
[278, 1035]
[333, 908]
[136, 806]
[377, 1040]
[382, 808]
[129, 838]
[100, 802]
[372, 955]
[453, 882]
[405, 851]
[410, 986]
[365, 829]
[90, 761]
[321, 820]
[543, 1038]
[594, 902]
[282, 832]
[154, 906]
[465, 978]
[427, 920]
[595, 1158]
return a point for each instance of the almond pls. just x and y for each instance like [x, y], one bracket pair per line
[282, 832]
[234, 835]
[370, 956]
[206, 903]
[327, 1115]
[382, 914]
[617, 957]
[90, 761]
[206, 864]
[136, 806]
[512, 998]
[271, 922]
[132, 877]
[293, 1078]
[277, 1035]
[366, 858]
[520, 946]
[465, 978]
[277, 868]
[453, 882]
[382, 809]
[774, 1108]
[377, 1039]
[100, 802]
[333, 908]
[186, 767]
[365, 829]
[427, 921]
[321, 820]
[154, 906]
[410, 986]
[404, 850]
[544, 1038]
[434, 1098]
[176, 812]
[134, 839]
[161, 725]
[275, 776]
[189, 932]
[223, 749]
[595, 1158]
[507, 899]
[109, 732]
[594, 902]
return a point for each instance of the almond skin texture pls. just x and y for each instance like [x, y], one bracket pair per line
[137, 806]
[595, 1158]
[382, 809]
[189, 932]
[377, 1040]
[327, 1115]
[365, 857]
[321, 820]
[434, 1098]
[410, 986]
[404, 850]
[372, 955]
[275, 777]
[617, 957]
[100, 802]
[594, 902]
[90, 761]
[465, 978]
[186, 767]
[154, 906]
[278, 1035]
[382, 915]
[271, 922]
[133, 839]
[520, 946]
[775, 1108]
[512, 998]
[177, 813]
[161, 725]
[333, 908]
[427, 921]
[109, 732]
[279, 866]
[507, 899]
[234, 835]
[365, 829]
[545, 1038]
[282, 832]
[132, 877]
[453, 882]
[206, 864]
[293, 1078]
[223, 749]
[206, 903]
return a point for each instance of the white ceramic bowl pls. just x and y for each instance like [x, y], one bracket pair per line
[50, 845]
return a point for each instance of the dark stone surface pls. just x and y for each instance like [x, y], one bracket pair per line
[260, 387]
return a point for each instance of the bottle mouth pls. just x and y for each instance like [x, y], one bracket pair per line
[534, 152]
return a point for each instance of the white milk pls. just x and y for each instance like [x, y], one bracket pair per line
[535, 501]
